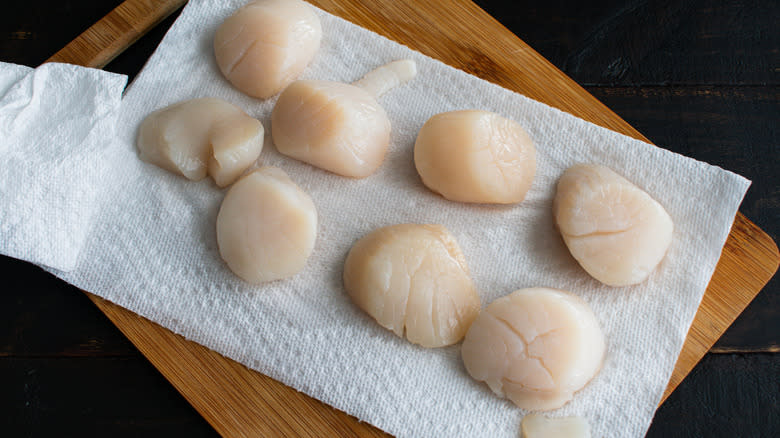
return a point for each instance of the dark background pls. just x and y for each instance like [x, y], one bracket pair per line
[698, 77]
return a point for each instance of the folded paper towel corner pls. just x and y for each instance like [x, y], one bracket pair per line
[56, 126]
[150, 246]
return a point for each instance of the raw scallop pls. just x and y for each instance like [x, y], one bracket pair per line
[539, 426]
[266, 226]
[413, 278]
[200, 136]
[475, 156]
[615, 230]
[338, 127]
[535, 347]
[266, 44]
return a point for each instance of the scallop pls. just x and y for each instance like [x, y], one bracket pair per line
[475, 156]
[266, 45]
[266, 226]
[614, 229]
[535, 346]
[338, 127]
[539, 426]
[413, 279]
[199, 137]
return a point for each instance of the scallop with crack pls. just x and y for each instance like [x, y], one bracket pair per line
[615, 230]
[535, 347]
[413, 279]
[204, 136]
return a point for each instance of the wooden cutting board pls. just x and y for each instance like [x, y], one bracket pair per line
[241, 402]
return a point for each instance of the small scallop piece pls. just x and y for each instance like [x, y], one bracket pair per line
[614, 229]
[266, 226]
[535, 346]
[539, 426]
[475, 156]
[197, 137]
[267, 44]
[413, 279]
[338, 127]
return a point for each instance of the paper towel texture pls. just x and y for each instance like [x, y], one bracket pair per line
[153, 248]
[56, 125]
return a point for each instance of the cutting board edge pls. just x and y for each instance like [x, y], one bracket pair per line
[169, 373]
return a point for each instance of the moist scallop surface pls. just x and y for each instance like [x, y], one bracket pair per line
[535, 346]
[203, 136]
[539, 426]
[475, 156]
[413, 280]
[335, 126]
[614, 229]
[267, 44]
[266, 226]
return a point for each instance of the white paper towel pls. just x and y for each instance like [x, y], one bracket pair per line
[153, 247]
[56, 125]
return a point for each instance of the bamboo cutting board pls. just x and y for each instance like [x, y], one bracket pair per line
[241, 402]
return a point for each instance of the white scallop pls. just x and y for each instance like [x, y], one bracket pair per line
[266, 226]
[267, 44]
[539, 426]
[475, 156]
[338, 127]
[201, 136]
[535, 347]
[614, 229]
[413, 279]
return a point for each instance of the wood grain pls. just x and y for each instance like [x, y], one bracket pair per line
[115, 32]
[235, 400]
[238, 401]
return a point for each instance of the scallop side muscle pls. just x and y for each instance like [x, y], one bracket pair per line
[615, 230]
[338, 127]
[413, 279]
[201, 136]
[535, 347]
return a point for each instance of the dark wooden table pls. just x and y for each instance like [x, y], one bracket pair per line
[698, 77]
